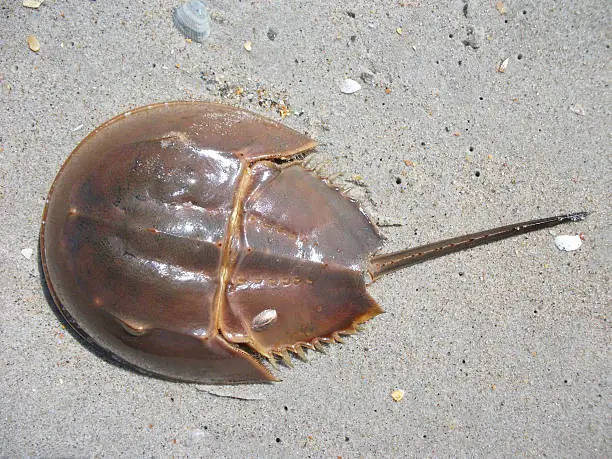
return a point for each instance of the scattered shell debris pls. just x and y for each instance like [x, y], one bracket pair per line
[34, 4]
[27, 253]
[33, 43]
[254, 94]
[192, 20]
[397, 395]
[502, 65]
[349, 86]
[568, 242]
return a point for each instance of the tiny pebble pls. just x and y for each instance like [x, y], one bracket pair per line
[271, 34]
[399, 31]
[397, 395]
[349, 86]
[33, 43]
[27, 253]
[568, 243]
[248, 46]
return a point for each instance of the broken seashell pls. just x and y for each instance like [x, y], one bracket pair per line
[349, 86]
[568, 243]
[34, 4]
[502, 66]
[192, 20]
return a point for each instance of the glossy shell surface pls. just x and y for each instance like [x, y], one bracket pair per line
[187, 240]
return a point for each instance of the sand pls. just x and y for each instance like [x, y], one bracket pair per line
[500, 351]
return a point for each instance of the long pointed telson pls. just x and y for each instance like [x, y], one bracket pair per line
[386, 263]
[269, 268]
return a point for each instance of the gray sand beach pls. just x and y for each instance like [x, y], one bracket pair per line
[471, 115]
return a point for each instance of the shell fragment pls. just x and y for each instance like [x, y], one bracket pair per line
[349, 86]
[33, 43]
[34, 4]
[568, 243]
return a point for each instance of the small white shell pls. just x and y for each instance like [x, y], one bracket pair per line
[263, 319]
[502, 65]
[349, 86]
[192, 20]
[568, 243]
[34, 4]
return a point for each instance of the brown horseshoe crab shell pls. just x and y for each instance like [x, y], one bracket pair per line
[187, 239]
[170, 229]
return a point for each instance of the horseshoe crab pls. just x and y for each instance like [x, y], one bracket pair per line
[190, 241]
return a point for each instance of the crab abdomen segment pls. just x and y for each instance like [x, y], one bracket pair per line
[310, 302]
[301, 252]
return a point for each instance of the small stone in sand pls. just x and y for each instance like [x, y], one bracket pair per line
[397, 395]
[33, 43]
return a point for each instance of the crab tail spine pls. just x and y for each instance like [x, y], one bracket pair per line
[386, 263]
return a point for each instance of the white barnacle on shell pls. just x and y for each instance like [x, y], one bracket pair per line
[264, 319]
